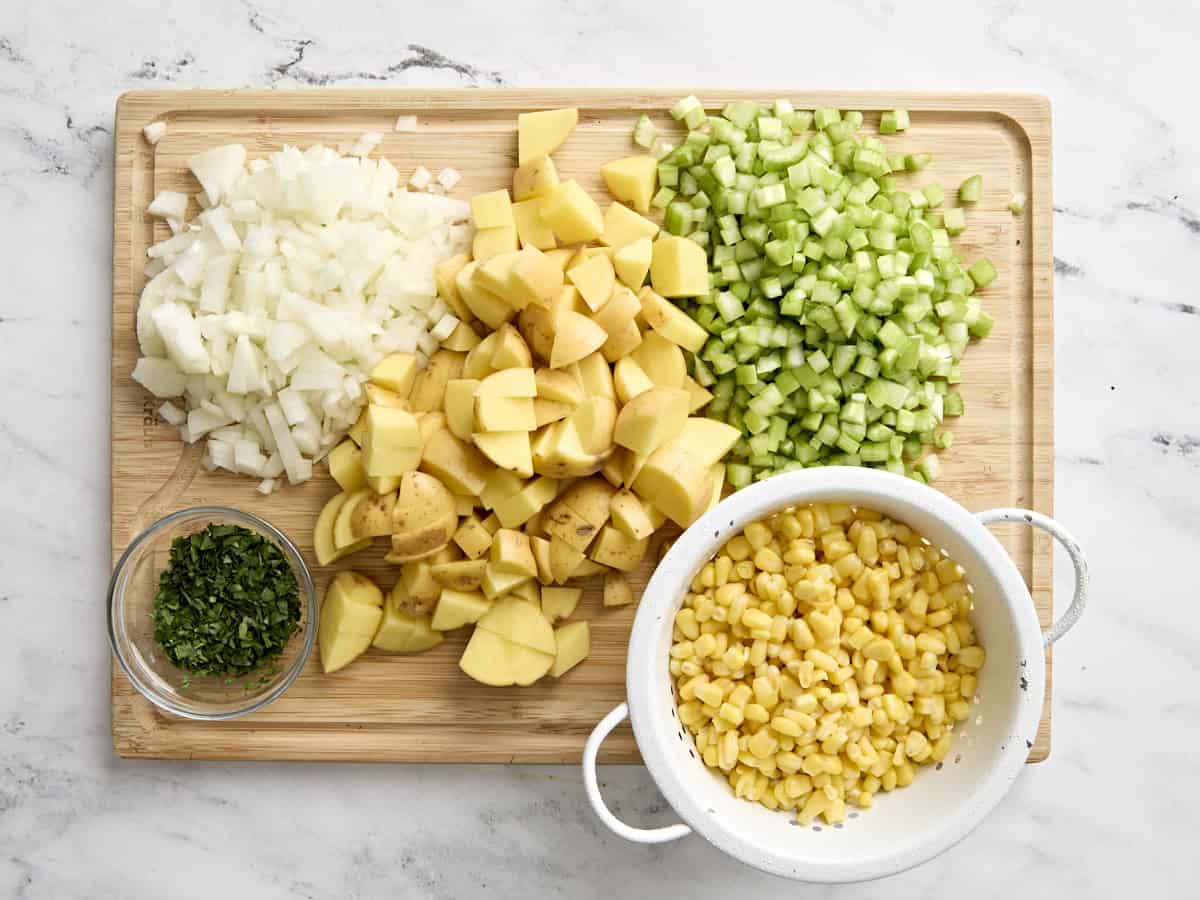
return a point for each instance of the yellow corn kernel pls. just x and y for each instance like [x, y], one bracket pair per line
[968, 686]
[786, 603]
[737, 609]
[685, 621]
[879, 649]
[906, 646]
[753, 618]
[942, 747]
[722, 566]
[802, 635]
[768, 560]
[972, 657]
[948, 572]
[757, 534]
[689, 713]
[762, 744]
[905, 774]
[738, 548]
[821, 660]
[753, 712]
[800, 552]
[681, 650]
[931, 642]
[709, 694]
[939, 618]
[744, 570]
[727, 751]
[902, 683]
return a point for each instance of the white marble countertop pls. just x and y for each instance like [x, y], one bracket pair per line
[1106, 816]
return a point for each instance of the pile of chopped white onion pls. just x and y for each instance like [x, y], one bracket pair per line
[267, 311]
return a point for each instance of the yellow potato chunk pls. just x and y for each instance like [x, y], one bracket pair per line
[396, 372]
[679, 268]
[349, 618]
[632, 180]
[532, 230]
[424, 517]
[520, 622]
[510, 350]
[559, 602]
[462, 339]
[458, 608]
[345, 465]
[661, 360]
[573, 214]
[541, 133]
[535, 278]
[698, 395]
[504, 414]
[632, 262]
[536, 177]
[323, 540]
[489, 242]
[573, 643]
[560, 386]
[651, 418]
[428, 393]
[492, 210]
[622, 226]
[460, 575]
[575, 337]
[629, 516]
[672, 322]
[621, 308]
[511, 382]
[400, 632]
[455, 463]
[460, 406]
[621, 342]
[472, 538]
[511, 554]
[519, 508]
[507, 449]
[496, 583]
[372, 516]
[615, 549]
[594, 279]
[547, 411]
[494, 660]
[483, 304]
[629, 379]
[709, 439]
[445, 274]
[493, 276]
[392, 443]
[617, 591]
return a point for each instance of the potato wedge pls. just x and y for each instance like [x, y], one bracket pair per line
[392, 442]
[679, 268]
[629, 516]
[484, 305]
[455, 463]
[617, 591]
[541, 133]
[621, 343]
[372, 516]
[510, 350]
[424, 517]
[651, 419]
[460, 575]
[460, 406]
[594, 279]
[478, 364]
[350, 616]
[618, 550]
[622, 226]
[396, 372]
[559, 602]
[510, 382]
[472, 538]
[494, 660]
[559, 385]
[672, 322]
[573, 215]
[444, 275]
[535, 177]
[535, 278]
[400, 632]
[507, 449]
[323, 541]
[491, 242]
[632, 179]
[462, 339]
[458, 608]
[345, 465]
[517, 509]
[564, 559]
[521, 622]
[575, 337]
[429, 390]
[629, 380]
[511, 555]
[492, 209]
[632, 263]
[573, 643]
[595, 375]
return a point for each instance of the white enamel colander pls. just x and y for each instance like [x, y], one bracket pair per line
[908, 826]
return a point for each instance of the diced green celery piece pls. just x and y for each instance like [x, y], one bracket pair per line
[825, 116]
[1016, 205]
[934, 193]
[893, 121]
[668, 175]
[644, 132]
[684, 106]
[971, 190]
[915, 162]
[662, 198]
[982, 272]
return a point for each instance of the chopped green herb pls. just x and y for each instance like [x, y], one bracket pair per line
[227, 602]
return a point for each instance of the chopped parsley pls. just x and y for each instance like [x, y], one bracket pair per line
[227, 602]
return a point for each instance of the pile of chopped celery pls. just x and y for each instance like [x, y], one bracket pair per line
[839, 310]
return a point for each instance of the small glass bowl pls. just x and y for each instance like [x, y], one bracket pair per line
[131, 594]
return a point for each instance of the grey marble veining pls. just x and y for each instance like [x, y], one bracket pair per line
[1108, 815]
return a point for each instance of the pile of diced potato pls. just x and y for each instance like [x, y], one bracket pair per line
[546, 440]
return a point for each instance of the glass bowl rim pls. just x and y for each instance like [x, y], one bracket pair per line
[307, 587]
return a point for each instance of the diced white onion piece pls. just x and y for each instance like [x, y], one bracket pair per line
[214, 292]
[172, 414]
[420, 178]
[181, 336]
[201, 421]
[366, 142]
[169, 205]
[406, 123]
[273, 467]
[266, 486]
[444, 328]
[217, 170]
[245, 372]
[154, 132]
[161, 377]
[248, 459]
[293, 463]
[427, 343]
[295, 409]
[448, 178]
[218, 220]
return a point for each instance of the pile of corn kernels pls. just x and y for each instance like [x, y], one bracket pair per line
[822, 656]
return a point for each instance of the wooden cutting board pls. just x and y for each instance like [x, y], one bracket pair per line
[421, 708]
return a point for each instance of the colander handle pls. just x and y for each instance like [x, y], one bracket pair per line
[1074, 551]
[615, 825]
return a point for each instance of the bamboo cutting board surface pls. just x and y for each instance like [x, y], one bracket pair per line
[422, 708]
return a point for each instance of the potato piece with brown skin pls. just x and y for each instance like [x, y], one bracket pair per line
[343, 535]
[590, 497]
[429, 391]
[559, 602]
[511, 553]
[567, 525]
[424, 517]
[617, 591]
[588, 568]
[558, 452]
[536, 178]
[345, 465]
[323, 544]
[455, 463]
[621, 309]
[629, 516]
[677, 481]
[478, 364]
[372, 516]
[460, 575]
[564, 559]
[614, 549]
[472, 538]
